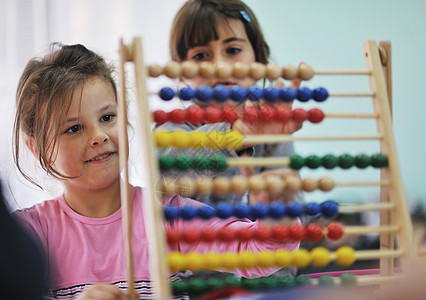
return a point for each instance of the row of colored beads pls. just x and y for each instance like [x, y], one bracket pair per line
[200, 285]
[276, 210]
[344, 161]
[221, 185]
[211, 114]
[239, 70]
[278, 232]
[214, 139]
[301, 258]
[220, 93]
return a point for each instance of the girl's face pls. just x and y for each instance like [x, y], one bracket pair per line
[88, 143]
[232, 46]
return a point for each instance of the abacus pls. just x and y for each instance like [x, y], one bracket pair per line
[394, 215]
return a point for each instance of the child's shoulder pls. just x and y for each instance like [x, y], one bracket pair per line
[45, 209]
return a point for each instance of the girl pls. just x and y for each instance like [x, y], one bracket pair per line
[67, 116]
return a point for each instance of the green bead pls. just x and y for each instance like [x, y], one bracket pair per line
[179, 287]
[214, 283]
[296, 162]
[348, 279]
[196, 285]
[218, 163]
[330, 161]
[303, 280]
[287, 281]
[326, 280]
[313, 161]
[362, 161]
[182, 163]
[200, 163]
[379, 160]
[165, 163]
[250, 283]
[268, 282]
[346, 161]
[232, 281]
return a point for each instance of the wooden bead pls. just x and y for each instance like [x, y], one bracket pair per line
[274, 184]
[207, 69]
[221, 185]
[289, 72]
[204, 185]
[223, 70]
[190, 69]
[326, 184]
[305, 72]
[293, 183]
[240, 70]
[309, 184]
[168, 186]
[256, 183]
[155, 70]
[239, 184]
[257, 71]
[172, 69]
[273, 71]
[185, 186]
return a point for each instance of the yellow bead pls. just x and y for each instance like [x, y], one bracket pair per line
[185, 186]
[176, 261]
[301, 258]
[293, 183]
[204, 185]
[273, 71]
[180, 139]
[309, 184]
[257, 71]
[172, 69]
[168, 186]
[163, 139]
[207, 69]
[320, 257]
[198, 139]
[345, 256]
[326, 184]
[240, 70]
[215, 139]
[289, 72]
[155, 70]
[190, 69]
[233, 140]
[223, 70]
[256, 183]
[221, 185]
[274, 184]
[265, 259]
[193, 261]
[305, 72]
[247, 260]
[229, 261]
[211, 261]
[282, 258]
[239, 184]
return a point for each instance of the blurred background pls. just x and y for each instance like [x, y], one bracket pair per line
[325, 34]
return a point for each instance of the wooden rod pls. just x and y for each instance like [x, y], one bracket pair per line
[351, 208]
[255, 139]
[358, 230]
[342, 72]
[375, 254]
[258, 161]
[363, 183]
[351, 94]
[351, 115]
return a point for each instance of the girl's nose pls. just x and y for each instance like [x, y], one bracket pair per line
[99, 137]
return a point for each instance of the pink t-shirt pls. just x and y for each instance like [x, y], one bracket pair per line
[81, 251]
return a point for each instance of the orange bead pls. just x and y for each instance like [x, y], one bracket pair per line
[185, 186]
[240, 70]
[309, 184]
[293, 183]
[221, 185]
[168, 185]
[223, 70]
[239, 184]
[289, 72]
[204, 185]
[190, 69]
[274, 184]
[257, 71]
[256, 183]
[273, 71]
[326, 184]
[305, 72]
[172, 69]
[207, 69]
[155, 70]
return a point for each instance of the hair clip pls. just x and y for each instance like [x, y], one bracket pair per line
[245, 15]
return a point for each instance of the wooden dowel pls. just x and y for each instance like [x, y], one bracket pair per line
[375, 254]
[352, 208]
[363, 183]
[374, 280]
[342, 72]
[351, 94]
[255, 139]
[359, 230]
[351, 115]
[258, 161]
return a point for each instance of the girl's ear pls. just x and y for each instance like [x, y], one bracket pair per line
[31, 144]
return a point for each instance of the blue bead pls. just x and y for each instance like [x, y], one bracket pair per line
[221, 93]
[242, 211]
[312, 209]
[224, 210]
[260, 211]
[204, 93]
[329, 209]
[238, 93]
[294, 209]
[171, 213]
[320, 94]
[166, 93]
[186, 93]
[288, 94]
[206, 212]
[255, 93]
[188, 212]
[277, 210]
[304, 94]
[271, 94]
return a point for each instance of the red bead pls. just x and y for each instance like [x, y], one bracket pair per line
[213, 114]
[334, 231]
[316, 115]
[299, 115]
[267, 113]
[227, 234]
[195, 115]
[297, 232]
[160, 117]
[314, 232]
[245, 234]
[177, 116]
[282, 113]
[191, 235]
[173, 236]
[209, 234]
[230, 114]
[263, 233]
[280, 232]
[250, 115]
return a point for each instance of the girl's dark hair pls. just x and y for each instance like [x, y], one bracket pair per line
[196, 24]
[44, 95]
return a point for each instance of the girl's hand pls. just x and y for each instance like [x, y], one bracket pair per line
[103, 291]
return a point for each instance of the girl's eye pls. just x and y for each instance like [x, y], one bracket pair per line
[233, 50]
[107, 118]
[73, 129]
[200, 56]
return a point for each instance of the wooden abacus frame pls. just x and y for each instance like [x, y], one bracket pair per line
[378, 70]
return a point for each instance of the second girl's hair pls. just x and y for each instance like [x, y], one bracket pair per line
[196, 24]
[43, 97]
